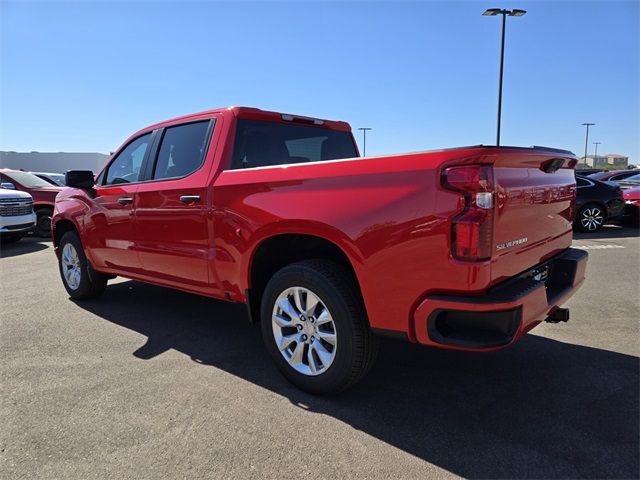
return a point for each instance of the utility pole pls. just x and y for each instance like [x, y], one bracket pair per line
[586, 140]
[596, 144]
[364, 139]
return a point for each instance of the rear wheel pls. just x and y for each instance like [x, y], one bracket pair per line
[315, 328]
[43, 222]
[80, 280]
[590, 218]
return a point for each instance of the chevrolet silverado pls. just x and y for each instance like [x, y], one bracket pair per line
[466, 248]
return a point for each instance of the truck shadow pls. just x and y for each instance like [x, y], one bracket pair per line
[540, 409]
[27, 244]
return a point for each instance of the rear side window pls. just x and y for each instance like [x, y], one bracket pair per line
[125, 168]
[582, 182]
[181, 150]
[260, 144]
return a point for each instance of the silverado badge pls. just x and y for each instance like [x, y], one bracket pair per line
[511, 243]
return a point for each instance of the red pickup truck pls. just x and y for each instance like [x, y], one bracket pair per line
[466, 249]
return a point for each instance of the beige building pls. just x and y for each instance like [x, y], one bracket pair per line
[610, 159]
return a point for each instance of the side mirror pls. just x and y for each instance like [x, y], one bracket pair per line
[7, 186]
[79, 179]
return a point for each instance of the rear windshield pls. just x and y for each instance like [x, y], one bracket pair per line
[260, 144]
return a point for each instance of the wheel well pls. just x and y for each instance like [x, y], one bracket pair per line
[42, 206]
[60, 228]
[281, 250]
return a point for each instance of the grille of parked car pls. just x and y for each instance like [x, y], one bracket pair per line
[12, 207]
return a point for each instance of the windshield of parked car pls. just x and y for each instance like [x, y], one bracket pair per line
[260, 144]
[58, 178]
[26, 179]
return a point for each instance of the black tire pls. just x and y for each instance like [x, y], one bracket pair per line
[10, 237]
[590, 218]
[43, 222]
[91, 283]
[356, 346]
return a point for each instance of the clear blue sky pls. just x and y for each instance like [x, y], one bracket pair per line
[80, 76]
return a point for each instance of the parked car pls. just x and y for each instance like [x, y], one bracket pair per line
[629, 182]
[16, 214]
[632, 206]
[56, 179]
[465, 249]
[583, 172]
[597, 203]
[613, 175]
[43, 193]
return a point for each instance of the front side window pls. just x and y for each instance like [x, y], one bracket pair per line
[182, 150]
[127, 165]
[260, 144]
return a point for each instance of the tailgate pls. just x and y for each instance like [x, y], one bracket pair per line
[534, 209]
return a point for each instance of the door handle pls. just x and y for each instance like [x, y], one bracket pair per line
[190, 198]
[125, 200]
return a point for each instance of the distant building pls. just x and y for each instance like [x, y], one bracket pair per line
[610, 159]
[617, 160]
[52, 162]
[596, 161]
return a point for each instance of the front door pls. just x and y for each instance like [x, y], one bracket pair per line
[111, 233]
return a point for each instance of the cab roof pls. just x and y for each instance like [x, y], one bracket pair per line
[251, 113]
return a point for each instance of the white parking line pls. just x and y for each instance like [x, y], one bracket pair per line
[597, 247]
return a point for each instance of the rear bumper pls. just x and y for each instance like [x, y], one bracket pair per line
[505, 313]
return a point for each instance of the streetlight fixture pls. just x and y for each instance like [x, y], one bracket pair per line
[596, 144]
[586, 140]
[491, 12]
[364, 139]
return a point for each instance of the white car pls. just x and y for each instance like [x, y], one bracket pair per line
[16, 214]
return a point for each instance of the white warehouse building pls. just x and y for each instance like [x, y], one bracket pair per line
[52, 162]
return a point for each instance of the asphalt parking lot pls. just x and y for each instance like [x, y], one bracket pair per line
[152, 383]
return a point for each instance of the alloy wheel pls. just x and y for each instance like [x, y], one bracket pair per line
[304, 331]
[71, 266]
[592, 219]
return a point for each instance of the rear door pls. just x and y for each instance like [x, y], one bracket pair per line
[111, 232]
[171, 207]
[534, 206]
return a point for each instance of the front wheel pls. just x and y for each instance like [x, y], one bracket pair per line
[80, 280]
[314, 327]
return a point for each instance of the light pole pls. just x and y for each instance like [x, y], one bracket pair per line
[596, 154]
[586, 140]
[364, 139]
[512, 13]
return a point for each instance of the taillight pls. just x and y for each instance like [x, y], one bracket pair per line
[472, 230]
